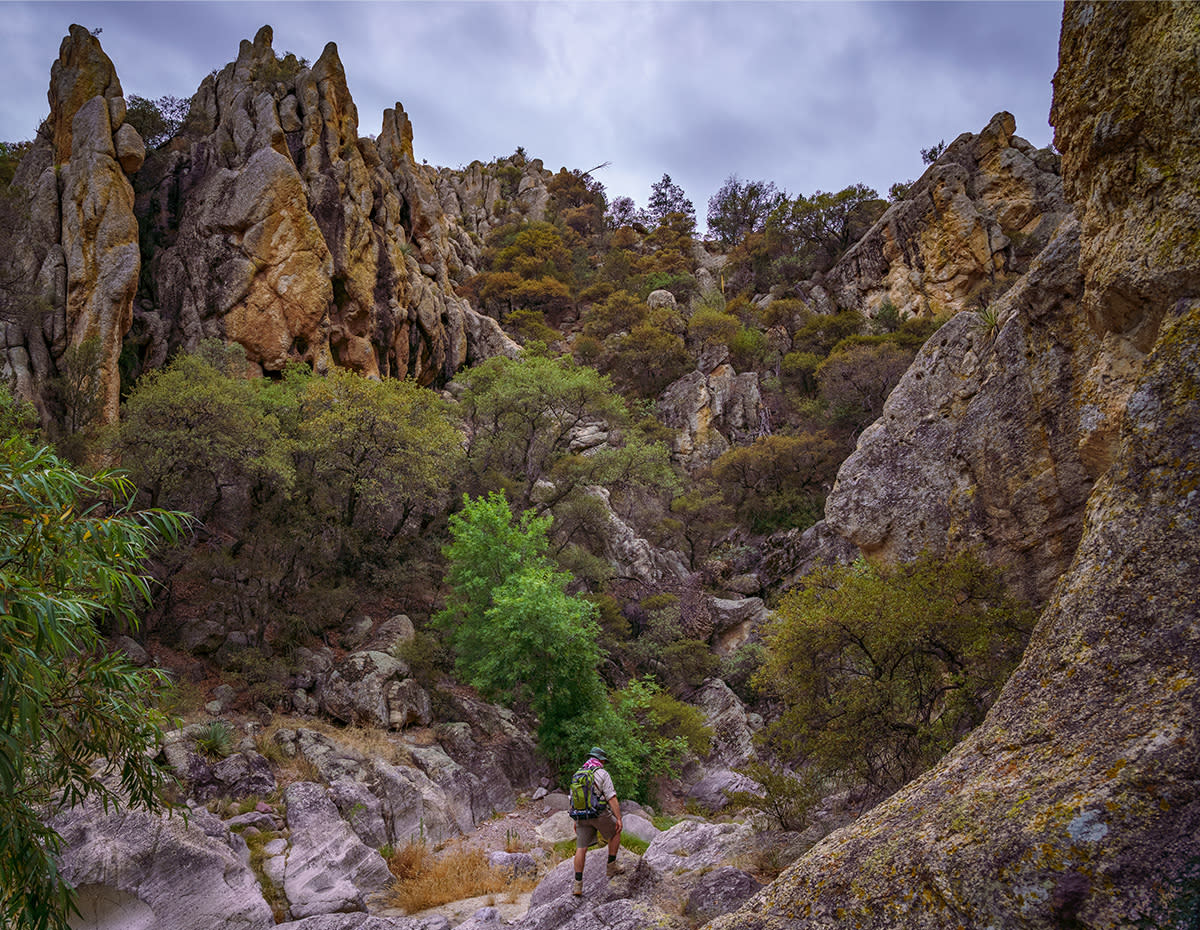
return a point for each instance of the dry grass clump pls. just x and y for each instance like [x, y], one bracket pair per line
[367, 741]
[425, 880]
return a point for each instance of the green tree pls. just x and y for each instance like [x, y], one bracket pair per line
[779, 481]
[525, 422]
[741, 207]
[647, 359]
[934, 152]
[11, 154]
[192, 437]
[667, 199]
[857, 380]
[156, 120]
[380, 455]
[310, 484]
[71, 548]
[881, 671]
[529, 266]
[822, 226]
[516, 633]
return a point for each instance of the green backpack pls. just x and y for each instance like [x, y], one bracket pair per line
[584, 803]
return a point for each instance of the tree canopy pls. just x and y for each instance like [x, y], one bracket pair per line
[881, 671]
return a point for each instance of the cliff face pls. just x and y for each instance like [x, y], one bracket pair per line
[979, 444]
[1077, 802]
[968, 225]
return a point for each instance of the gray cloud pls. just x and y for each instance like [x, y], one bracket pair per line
[808, 95]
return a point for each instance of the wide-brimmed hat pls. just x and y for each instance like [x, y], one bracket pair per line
[597, 753]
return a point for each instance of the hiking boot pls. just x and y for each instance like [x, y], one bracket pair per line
[577, 888]
[615, 868]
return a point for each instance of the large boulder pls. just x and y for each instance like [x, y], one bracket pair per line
[695, 845]
[327, 869]
[373, 688]
[133, 869]
[1077, 801]
[719, 892]
[732, 742]
[711, 410]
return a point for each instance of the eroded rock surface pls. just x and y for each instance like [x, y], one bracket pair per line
[79, 261]
[979, 444]
[286, 233]
[142, 870]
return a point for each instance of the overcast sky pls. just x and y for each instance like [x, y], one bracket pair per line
[807, 95]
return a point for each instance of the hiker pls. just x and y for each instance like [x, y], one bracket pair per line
[595, 809]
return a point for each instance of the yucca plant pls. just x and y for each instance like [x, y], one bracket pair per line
[215, 739]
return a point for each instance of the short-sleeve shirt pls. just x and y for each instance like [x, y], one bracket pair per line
[603, 784]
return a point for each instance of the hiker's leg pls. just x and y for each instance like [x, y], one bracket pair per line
[580, 859]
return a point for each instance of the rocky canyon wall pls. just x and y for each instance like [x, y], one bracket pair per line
[1077, 802]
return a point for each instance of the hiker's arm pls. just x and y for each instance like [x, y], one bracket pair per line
[615, 806]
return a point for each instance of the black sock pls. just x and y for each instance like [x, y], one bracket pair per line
[612, 858]
[578, 876]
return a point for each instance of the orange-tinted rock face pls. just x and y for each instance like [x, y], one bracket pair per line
[974, 220]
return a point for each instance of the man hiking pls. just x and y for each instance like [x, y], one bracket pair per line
[595, 809]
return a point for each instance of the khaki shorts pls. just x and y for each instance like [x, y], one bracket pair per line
[586, 830]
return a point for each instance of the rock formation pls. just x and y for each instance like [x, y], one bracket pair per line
[267, 222]
[979, 443]
[971, 222]
[285, 232]
[79, 262]
[711, 409]
[484, 197]
[1077, 802]
[132, 869]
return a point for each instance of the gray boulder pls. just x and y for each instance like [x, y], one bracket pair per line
[710, 792]
[133, 869]
[732, 743]
[361, 809]
[397, 628]
[570, 913]
[512, 865]
[486, 918]
[638, 826]
[693, 845]
[328, 869]
[134, 651]
[241, 775]
[373, 688]
[557, 827]
[361, 921]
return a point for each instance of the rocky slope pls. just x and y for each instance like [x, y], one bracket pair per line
[1077, 802]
